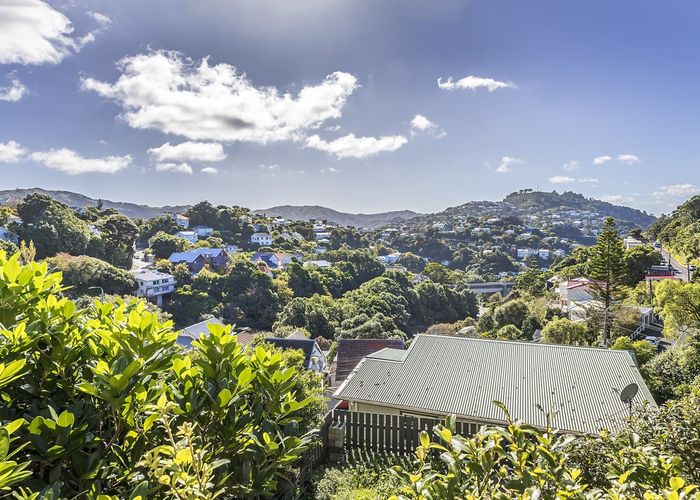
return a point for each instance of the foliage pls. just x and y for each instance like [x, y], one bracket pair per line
[519, 461]
[643, 350]
[108, 404]
[115, 243]
[678, 304]
[163, 245]
[673, 372]
[91, 276]
[565, 331]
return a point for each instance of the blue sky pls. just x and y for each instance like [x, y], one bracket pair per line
[360, 105]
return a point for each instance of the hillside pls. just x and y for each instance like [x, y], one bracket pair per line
[305, 212]
[14, 196]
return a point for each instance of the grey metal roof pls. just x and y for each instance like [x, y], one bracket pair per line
[389, 354]
[444, 375]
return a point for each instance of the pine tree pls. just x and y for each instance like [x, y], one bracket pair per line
[607, 267]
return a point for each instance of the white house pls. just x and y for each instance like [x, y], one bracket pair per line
[190, 236]
[543, 253]
[203, 231]
[631, 242]
[231, 249]
[261, 239]
[524, 253]
[181, 221]
[7, 235]
[154, 284]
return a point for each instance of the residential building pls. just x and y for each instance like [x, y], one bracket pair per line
[7, 235]
[193, 332]
[203, 231]
[544, 253]
[261, 239]
[351, 351]
[231, 249]
[181, 221]
[323, 264]
[314, 359]
[153, 285]
[190, 236]
[275, 261]
[630, 242]
[196, 259]
[576, 389]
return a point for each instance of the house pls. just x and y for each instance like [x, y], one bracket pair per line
[154, 284]
[261, 239]
[576, 291]
[181, 221]
[193, 332]
[7, 235]
[279, 221]
[190, 236]
[203, 231]
[389, 259]
[231, 249]
[314, 359]
[196, 259]
[322, 264]
[578, 388]
[630, 242]
[275, 261]
[351, 351]
[524, 253]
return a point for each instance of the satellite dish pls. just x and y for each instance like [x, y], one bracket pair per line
[628, 393]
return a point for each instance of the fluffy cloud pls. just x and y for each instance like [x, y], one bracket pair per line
[617, 198]
[188, 151]
[350, 146]
[210, 170]
[628, 159]
[564, 179]
[168, 92]
[269, 168]
[33, 32]
[676, 191]
[473, 83]
[11, 152]
[420, 123]
[599, 160]
[507, 162]
[571, 165]
[181, 168]
[14, 92]
[70, 162]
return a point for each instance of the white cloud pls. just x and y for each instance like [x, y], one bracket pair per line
[104, 21]
[420, 123]
[269, 168]
[564, 179]
[599, 160]
[329, 170]
[181, 168]
[14, 92]
[70, 162]
[473, 83]
[11, 152]
[33, 32]
[188, 151]
[628, 159]
[571, 165]
[676, 191]
[507, 162]
[210, 170]
[618, 198]
[170, 93]
[350, 146]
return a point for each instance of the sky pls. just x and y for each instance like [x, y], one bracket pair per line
[358, 105]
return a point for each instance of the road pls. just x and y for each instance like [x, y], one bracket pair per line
[681, 270]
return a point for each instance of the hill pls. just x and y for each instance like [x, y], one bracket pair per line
[306, 212]
[14, 196]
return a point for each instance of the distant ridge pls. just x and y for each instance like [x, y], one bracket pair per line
[14, 196]
[305, 212]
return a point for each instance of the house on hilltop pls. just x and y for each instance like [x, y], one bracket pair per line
[196, 259]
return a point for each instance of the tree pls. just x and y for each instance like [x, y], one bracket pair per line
[638, 260]
[164, 245]
[642, 349]
[564, 331]
[52, 226]
[203, 214]
[304, 283]
[116, 241]
[678, 304]
[439, 273]
[608, 268]
[512, 312]
[88, 275]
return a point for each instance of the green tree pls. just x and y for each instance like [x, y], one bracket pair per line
[642, 349]
[91, 276]
[512, 312]
[565, 331]
[163, 245]
[678, 304]
[608, 268]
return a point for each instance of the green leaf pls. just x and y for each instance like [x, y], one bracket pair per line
[424, 439]
[66, 419]
[4, 443]
[223, 398]
[676, 483]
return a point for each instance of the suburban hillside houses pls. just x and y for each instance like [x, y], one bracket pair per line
[153, 285]
[190, 236]
[275, 261]
[196, 259]
[203, 231]
[181, 221]
[261, 239]
[314, 358]
[577, 388]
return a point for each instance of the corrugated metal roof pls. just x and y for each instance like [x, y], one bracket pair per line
[351, 352]
[445, 375]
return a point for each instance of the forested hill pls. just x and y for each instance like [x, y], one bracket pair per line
[539, 200]
[306, 212]
[74, 200]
